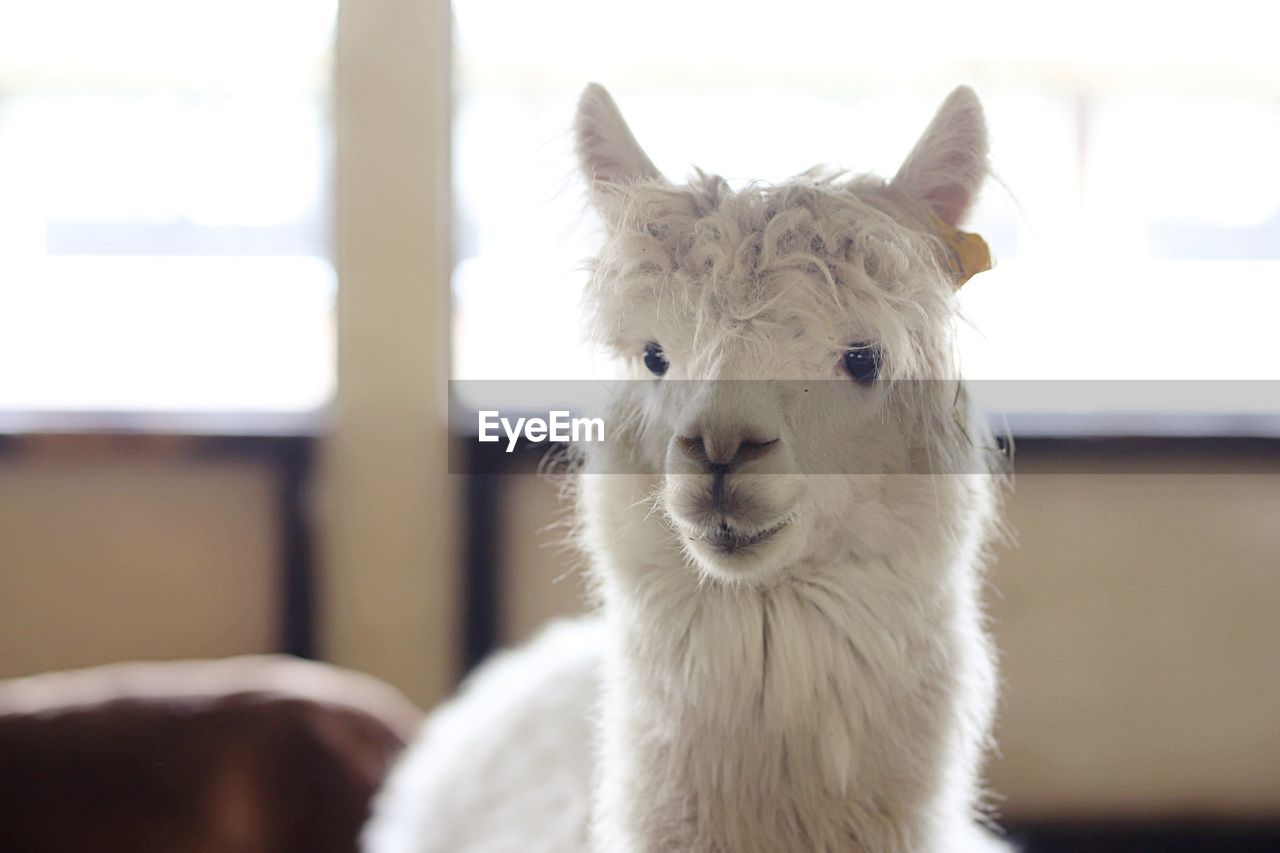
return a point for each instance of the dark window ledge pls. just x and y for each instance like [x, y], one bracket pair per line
[193, 423]
[1145, 836]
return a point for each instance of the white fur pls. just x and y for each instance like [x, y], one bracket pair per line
[828, 690]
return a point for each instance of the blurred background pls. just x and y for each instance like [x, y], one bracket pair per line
[244, 246]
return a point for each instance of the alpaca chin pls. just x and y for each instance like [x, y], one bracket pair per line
[748, 534]
[759, 558]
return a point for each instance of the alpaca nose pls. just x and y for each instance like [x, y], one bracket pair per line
[719, 454]
[728, 424]
[724, 450]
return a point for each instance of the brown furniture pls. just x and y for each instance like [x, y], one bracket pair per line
[244, 755]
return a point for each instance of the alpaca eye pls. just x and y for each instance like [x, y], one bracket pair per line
[654, 359]
[862, 361]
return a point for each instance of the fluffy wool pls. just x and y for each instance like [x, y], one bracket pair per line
[788, 656]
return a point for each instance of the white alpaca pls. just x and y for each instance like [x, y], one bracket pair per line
[789, 653]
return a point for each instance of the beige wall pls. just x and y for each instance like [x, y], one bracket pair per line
[127, 557]
[1137, 622]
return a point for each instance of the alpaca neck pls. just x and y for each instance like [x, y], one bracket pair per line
[808, 715]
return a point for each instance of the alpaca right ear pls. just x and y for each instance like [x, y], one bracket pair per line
[608, 153]
[948, 165]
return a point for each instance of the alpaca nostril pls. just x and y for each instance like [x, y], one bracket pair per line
[749, 450]
[692, 447]
[720, 456]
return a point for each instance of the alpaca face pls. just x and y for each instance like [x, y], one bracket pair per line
[787, 343]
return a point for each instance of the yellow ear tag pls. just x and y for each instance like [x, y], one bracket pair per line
[967, 253]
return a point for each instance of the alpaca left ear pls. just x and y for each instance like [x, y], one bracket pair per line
[608, 153]
[946, 168]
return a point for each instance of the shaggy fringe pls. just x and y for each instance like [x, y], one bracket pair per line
[799, 254]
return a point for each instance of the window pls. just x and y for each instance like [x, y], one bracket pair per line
[165, 206]
[1135, 217]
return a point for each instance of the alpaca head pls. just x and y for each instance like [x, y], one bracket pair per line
[781, 333]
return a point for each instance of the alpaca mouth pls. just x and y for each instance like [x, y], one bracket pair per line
[728, 540]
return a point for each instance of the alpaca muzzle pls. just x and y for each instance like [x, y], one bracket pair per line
[730, 540]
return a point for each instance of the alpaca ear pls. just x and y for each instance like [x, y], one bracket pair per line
[607, 152]
[946, 168]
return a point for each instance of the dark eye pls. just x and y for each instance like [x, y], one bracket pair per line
[654, 359]
[862, 361]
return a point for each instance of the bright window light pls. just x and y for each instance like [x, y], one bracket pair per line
[164, 206]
